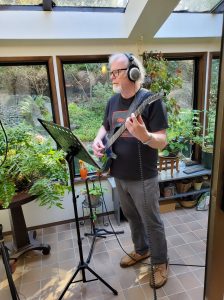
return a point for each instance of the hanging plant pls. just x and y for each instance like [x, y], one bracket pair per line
[161, 78]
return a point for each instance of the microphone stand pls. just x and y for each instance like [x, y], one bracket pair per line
[95, 232]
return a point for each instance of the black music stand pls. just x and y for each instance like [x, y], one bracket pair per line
[68, 142]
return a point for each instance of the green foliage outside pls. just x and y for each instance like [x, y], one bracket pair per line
[83, 122]
[86, 118]
[206, 141]
[32, 108]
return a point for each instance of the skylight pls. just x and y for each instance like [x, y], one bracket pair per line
[196, 5]
[70, 3]
[20, 2]
[92, 3]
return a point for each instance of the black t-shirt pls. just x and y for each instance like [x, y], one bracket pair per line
[131, 153]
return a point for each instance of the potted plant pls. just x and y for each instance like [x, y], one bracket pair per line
[157, 70]
[33, 165]
[95, 192]
[161, 78]
[206, 140]
[198, 183]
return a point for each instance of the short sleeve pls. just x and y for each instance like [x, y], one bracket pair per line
[155, 116]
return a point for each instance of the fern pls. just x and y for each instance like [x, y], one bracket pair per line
[7, 191]
[33, 165]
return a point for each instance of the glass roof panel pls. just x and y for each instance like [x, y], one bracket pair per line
[92, 3]
[20, 2]
[196, 5]
[71, 3]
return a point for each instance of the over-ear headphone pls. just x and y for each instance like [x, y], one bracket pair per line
[133, 70]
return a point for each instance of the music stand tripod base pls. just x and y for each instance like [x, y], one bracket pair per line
[70, 144]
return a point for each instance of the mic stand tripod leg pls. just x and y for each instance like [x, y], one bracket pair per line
[95, 231]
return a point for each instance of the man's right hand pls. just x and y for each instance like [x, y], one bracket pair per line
[98, 147]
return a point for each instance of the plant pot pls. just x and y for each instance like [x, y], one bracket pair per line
[95, 200]
[188, 203]
[207, 158]
[183, 186]
[197, 185]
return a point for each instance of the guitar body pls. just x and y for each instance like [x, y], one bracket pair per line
[109, 155]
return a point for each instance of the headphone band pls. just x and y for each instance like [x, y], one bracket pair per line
[129, 56]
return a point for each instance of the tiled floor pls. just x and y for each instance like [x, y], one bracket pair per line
[43, 277]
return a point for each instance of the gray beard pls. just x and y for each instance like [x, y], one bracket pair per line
[116, 89]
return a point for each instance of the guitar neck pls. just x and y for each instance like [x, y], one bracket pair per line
[138, 111]
[116, 135]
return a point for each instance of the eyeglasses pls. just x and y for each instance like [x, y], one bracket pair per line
[116, 73]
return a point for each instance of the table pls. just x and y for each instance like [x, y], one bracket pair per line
[23, 240]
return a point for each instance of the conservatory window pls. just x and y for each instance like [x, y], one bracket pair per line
[25, 95]
[87, 89]
[196, 6]
[84, 5]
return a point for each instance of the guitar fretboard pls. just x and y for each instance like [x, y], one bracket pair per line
[138, 111]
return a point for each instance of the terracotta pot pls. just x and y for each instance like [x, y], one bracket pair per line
[183, 186]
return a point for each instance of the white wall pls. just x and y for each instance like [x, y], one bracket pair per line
[36, 215]
[91, 47]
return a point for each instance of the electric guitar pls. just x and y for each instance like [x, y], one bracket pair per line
[114, 134]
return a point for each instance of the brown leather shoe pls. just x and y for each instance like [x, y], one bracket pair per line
[160, 275]
[132, 258]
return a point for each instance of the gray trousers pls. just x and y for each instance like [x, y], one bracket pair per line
[140, 205]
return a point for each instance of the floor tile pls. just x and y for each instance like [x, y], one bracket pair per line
[43, 277]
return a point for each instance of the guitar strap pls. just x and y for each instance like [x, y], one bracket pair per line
[137, 100]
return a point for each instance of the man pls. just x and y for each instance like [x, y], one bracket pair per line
[135, 168]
